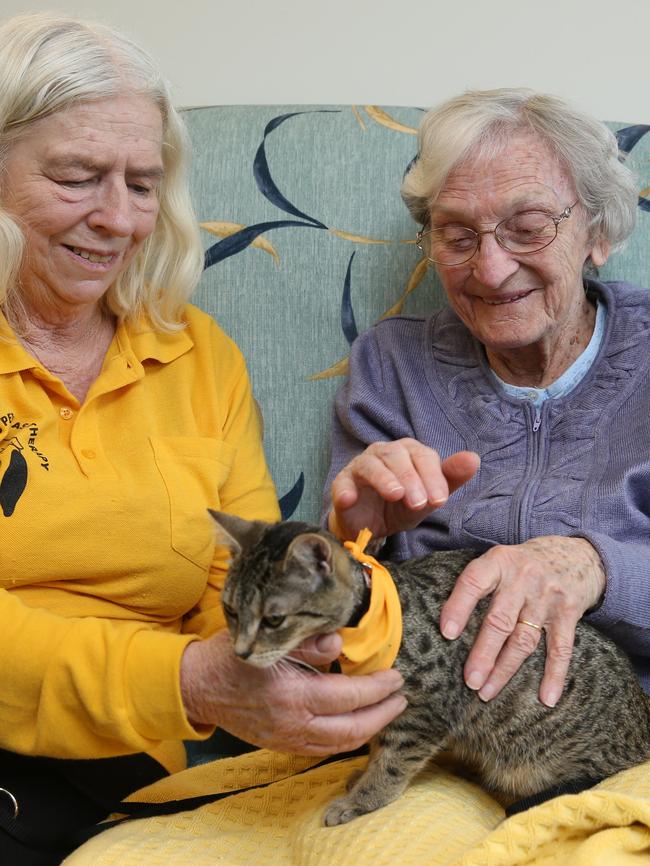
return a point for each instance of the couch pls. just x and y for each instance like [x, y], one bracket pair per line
[307, 243]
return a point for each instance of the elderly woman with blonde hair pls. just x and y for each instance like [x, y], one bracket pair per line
[125, 413]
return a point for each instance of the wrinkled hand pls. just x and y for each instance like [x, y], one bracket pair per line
[391, 486]
[550, 581]
[287, 709]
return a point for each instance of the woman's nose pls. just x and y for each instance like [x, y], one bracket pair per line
[491, 264]
[113, 211]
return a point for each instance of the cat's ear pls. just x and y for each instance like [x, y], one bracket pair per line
[236, 533]
[313, 552]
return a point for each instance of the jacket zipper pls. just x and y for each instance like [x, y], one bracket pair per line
[528, 484]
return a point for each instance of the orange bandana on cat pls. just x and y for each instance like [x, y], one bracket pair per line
[373, 644]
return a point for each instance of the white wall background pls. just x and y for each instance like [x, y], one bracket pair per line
[387, 52]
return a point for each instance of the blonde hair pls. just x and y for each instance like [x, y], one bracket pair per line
[48, 63]
[480, 123]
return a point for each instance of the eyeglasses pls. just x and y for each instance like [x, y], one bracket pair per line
[527, 232]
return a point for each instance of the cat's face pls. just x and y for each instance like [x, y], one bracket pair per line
[280, 591]
[269, 620]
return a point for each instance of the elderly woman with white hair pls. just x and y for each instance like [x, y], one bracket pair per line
[124, 414]
[528, 394]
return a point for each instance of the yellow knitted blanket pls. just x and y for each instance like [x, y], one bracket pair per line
[441, 820]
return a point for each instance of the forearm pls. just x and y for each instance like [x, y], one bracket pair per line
[87, 688]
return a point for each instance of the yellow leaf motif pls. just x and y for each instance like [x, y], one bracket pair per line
[384, 119]
[338, 369]
[359, 117]
[361, 239]
[225, 229]
[645, 192]
[417, 275]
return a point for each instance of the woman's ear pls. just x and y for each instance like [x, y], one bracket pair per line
[600, 252]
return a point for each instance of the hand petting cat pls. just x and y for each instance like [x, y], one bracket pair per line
[287, 710]
[391, 486]
[544, 583]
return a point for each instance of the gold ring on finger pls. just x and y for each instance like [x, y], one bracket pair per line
[531, 624]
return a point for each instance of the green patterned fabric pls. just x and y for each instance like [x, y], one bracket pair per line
[308, 242]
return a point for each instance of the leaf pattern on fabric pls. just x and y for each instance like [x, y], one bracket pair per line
[348, 324]
[291, 499]
[627, 138]
[238, 241]
[384, 119]
[224, 229]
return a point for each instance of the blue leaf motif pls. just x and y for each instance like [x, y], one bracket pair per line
[262, 173]
[630, 135]
[289, 502]
[410, 165]
[348, 323]
[238, 241]
[627, 138]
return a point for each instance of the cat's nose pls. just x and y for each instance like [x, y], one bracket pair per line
[243, 653]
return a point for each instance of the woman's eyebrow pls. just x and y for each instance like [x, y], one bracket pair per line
[71, 161]
[516, 205]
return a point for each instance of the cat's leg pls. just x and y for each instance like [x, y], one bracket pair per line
[398, 753]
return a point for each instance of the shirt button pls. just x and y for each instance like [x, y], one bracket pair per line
[532, 395]
[66, 413]
[88, 454]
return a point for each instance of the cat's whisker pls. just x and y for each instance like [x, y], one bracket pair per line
[300, 665]
[283, 666]
[297, 667]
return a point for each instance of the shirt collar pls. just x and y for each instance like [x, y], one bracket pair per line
[13, 355]
[146, 344]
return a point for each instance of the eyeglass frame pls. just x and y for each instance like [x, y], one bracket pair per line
[566, 213]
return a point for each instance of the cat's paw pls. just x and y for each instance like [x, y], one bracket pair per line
[341, 811]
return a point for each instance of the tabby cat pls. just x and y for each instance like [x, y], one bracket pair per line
[289, 581]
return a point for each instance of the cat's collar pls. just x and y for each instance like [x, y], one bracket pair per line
[363, 605]
[357, 549]
[373, 644]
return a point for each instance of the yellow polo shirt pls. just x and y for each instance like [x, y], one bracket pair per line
[108, 567]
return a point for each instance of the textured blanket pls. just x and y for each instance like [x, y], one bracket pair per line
[442, 820]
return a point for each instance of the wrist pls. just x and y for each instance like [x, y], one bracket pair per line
[212, 681]
[599, 577]
[194, 674]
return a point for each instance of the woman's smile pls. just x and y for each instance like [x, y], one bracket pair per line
[91, 256]
[507, 299]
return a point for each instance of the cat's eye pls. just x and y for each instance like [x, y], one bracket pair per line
[230, 613]
[273, 621]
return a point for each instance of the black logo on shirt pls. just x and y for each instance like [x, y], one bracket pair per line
[17, 439]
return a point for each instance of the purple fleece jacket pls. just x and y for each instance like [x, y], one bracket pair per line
[582, 470]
